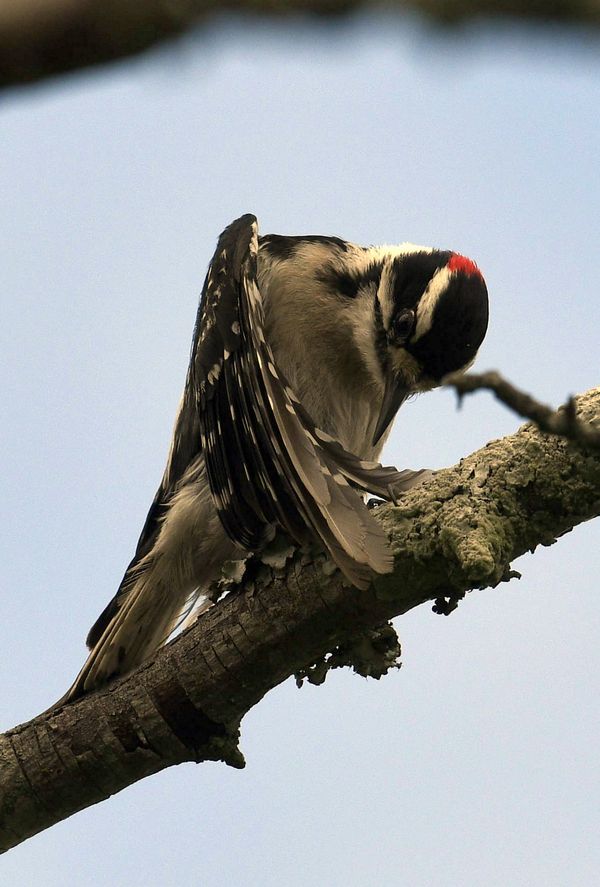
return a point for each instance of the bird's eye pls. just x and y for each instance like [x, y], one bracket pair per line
[403, 326]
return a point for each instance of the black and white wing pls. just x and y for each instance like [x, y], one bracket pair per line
[266, 462]
[240, 425]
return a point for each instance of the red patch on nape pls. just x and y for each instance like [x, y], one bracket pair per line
[461, 263]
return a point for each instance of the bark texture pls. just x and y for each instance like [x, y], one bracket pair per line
[43, 38]
[460, 531]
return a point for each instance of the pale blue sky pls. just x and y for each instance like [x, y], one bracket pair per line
[477, 763]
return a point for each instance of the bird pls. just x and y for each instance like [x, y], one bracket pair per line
[304, 349]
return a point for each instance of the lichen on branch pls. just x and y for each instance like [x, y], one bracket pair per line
[459, 531]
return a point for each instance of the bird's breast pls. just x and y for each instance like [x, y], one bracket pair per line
[327, 376]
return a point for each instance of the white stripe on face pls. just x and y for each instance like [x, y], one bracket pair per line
[385, 292]
[426, 307]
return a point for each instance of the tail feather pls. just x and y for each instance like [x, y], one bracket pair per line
[142, 622]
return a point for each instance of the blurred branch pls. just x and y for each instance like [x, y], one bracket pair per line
[459, 531]
[43, 38]
[563, 421]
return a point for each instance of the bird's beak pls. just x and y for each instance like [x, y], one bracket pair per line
[393, 397]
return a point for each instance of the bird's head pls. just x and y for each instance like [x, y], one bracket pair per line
[431, 315]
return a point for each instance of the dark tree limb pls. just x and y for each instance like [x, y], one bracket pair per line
[564, 421]
[43, 38]
[460, 531]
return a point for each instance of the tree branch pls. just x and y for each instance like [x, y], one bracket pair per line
[459, 531]
[43, 38]
[563, 421]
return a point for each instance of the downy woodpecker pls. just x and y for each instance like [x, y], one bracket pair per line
[303, 351]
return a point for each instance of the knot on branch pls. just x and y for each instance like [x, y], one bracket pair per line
[371, 654]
